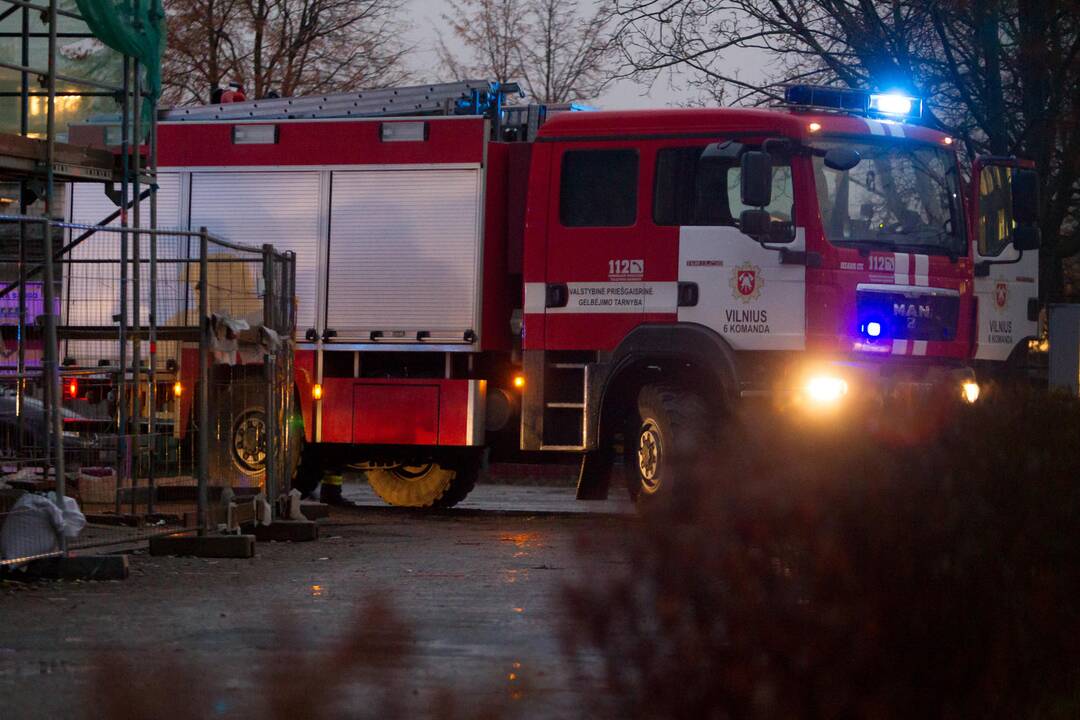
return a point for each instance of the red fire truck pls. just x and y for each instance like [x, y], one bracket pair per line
[469, 271]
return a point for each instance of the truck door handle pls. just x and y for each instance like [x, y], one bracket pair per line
[800, 257]
[556, 295]
[329, 334]
[688, 294]
[311, 335]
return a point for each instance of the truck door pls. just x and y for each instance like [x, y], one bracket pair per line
[746, 293]
[597, 288]
[1006, 279]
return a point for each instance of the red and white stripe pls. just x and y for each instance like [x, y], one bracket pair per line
[910, 270]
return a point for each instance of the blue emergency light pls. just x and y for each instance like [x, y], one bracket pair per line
[874, 326]
[895, 105]
[890, 105]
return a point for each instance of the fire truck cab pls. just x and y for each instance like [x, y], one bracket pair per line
[680, 261]
[468, 273]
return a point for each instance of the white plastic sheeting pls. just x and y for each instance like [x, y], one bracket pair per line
[35, 523]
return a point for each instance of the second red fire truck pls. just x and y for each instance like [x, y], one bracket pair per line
[469, 272]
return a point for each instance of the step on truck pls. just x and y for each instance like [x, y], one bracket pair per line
[473, 273]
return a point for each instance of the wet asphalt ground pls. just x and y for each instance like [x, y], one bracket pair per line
[479, 587]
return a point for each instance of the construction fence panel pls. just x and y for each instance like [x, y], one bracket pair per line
[129, 333]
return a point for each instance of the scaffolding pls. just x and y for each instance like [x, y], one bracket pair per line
[39, 164]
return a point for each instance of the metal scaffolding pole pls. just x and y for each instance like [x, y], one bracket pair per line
[123, 451]
[152, 429]
[204, 378]
[270, 369]
[52, 366]
[24, 130]
[136, 272]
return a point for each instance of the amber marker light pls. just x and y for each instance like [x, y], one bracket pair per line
[814, 127]
[519, 381]
[948, 141]
[316, 391]
[177, 389]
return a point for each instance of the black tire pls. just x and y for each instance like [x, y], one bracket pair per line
[428, 484]
[467, 472]
[664, 440]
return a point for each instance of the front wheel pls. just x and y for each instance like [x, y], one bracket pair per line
[428, 484]
[664, 440]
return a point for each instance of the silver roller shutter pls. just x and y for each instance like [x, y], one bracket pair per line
[280, 208]
[404, 254]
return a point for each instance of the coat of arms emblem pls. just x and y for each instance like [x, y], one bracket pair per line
[746, 282]
[1001, 295]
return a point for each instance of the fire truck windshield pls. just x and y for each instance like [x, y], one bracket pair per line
[898, 197]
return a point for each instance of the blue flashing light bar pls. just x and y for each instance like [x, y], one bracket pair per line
[896, 106]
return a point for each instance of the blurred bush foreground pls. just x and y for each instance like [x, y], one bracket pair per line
[880, 565]
[877, 565]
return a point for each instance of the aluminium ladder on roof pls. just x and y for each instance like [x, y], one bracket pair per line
[438, 99]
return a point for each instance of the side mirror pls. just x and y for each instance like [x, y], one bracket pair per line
[1025, 196]
[756, 179]
[1026, 237]
[842, 159]
[756, 224]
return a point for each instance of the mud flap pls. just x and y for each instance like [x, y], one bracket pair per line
[594, 478]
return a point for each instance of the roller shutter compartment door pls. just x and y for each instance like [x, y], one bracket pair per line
[252, 208]
[404, 254]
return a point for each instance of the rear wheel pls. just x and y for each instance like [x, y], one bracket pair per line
[237, 435]
[238, 450]
[428, 484]
[663, 440]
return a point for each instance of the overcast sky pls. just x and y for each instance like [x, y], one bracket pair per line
[426, 16]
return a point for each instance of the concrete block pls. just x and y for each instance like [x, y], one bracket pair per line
[80, 567]
[287, 531]
[211, 546]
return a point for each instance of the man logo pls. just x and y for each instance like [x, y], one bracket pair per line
[1001, 295]
[746, 282]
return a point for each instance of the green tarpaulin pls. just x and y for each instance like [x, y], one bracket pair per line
[135, 28]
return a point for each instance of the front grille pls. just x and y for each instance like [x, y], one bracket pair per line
[905, 315]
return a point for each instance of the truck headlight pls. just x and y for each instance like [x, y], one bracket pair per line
[970, 390]
[825, 389]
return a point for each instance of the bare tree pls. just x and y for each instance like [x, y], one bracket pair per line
[491, 31]
[201, 53]
[556, 49]
[1003, 75]
[292, 47]
[311, 46]
[567, 54]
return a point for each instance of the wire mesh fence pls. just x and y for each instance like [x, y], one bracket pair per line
[174, 359]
